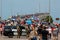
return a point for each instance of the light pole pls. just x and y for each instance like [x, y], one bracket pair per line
[39, 6]
[49, 11]
[12, 14]
[1, 10]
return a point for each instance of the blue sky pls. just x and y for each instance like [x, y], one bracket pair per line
[12, 7]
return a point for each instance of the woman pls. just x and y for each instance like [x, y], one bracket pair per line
[33, 34]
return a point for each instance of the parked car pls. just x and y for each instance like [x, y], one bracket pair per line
[7, 31]
[54, 27]
[23, 30]
[12, 30]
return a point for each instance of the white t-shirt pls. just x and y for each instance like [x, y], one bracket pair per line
[49, 29]
[32, 34]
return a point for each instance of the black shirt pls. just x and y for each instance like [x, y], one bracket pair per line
[39, 30]
[44, 34]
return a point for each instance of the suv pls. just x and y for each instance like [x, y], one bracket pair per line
[13, 30]
[7, 31]
[22, 28]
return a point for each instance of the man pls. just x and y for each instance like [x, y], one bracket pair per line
[39, 31]
[18, 31]
[44, 34]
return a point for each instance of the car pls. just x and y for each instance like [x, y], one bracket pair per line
[54, 27]
[13, 30]
[24, 31]
[22, 28]
[7, 31]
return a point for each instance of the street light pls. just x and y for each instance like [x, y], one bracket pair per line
[1, 10]
[39, 6]
[49, 11]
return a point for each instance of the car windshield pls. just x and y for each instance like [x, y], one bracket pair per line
[7, 27]
[22, 27]
[14, 27]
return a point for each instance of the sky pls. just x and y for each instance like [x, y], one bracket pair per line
[22, 7]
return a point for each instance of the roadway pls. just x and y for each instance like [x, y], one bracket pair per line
[22, 38]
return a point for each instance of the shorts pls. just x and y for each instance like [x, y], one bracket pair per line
[34, 38]
[44, 39]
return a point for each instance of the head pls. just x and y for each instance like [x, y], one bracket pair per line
[48, 23]
[17, 27]
[33, 28]
[39, 24]
[44, 28]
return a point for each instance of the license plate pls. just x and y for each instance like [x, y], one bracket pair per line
[6, 29]
[14, 29]
[15, 33]
[23, 33]
[23, 30]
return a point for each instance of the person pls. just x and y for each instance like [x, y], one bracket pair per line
[44, 34]
[3, 24]
[55, 33]
[39, 31]
[1, 29]
[18, 31]
[33, 35]
[27, 31]
[50, 31]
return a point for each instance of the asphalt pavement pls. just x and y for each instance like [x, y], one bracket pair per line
[22, 38]
[14, 38]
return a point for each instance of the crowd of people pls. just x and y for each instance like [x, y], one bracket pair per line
[34, 29]
[43, 32]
